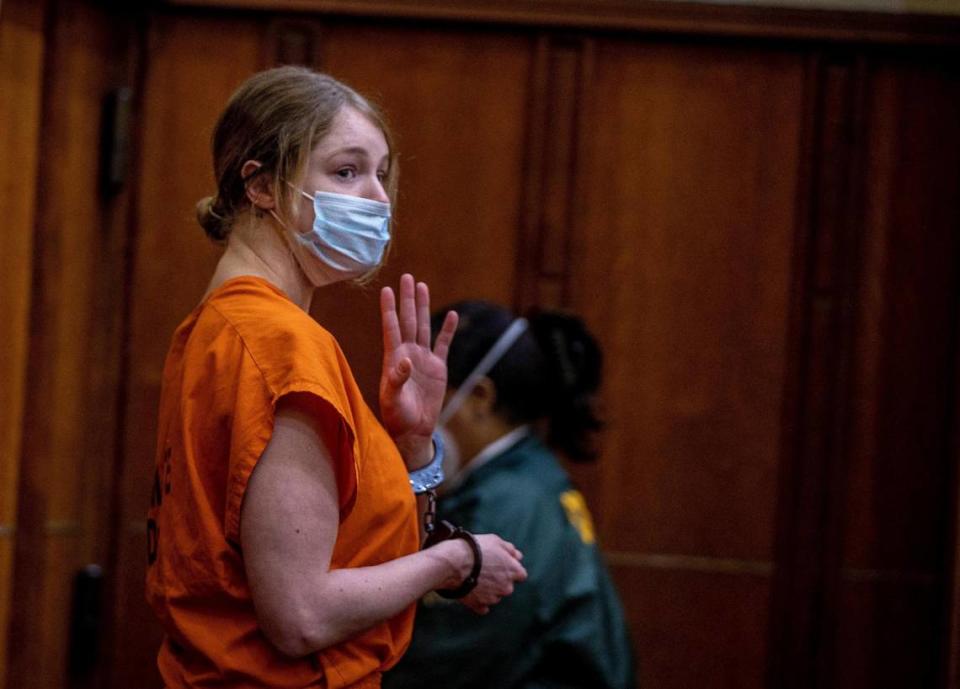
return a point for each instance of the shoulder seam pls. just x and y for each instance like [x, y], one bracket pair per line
[243, 343]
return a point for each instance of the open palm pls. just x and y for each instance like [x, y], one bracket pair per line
[414, 376]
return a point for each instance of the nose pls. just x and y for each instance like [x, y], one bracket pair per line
[375, 191]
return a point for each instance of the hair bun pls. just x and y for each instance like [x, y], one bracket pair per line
[573, 352]
[576, 364]
[212, 219]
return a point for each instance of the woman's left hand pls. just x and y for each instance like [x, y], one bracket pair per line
[414, 377]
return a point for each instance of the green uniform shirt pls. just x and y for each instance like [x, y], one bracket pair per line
[561, 628]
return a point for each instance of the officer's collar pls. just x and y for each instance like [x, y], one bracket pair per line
[498, 447]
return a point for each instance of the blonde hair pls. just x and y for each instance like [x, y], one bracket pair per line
[277, 117]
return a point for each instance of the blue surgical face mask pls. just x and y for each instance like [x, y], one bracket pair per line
[348, 239]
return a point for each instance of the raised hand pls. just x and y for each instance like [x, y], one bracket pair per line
[414, 376]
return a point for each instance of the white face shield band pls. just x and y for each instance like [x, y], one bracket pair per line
[490, 359]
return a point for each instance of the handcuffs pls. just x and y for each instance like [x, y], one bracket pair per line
[444, 531]
[425, 480]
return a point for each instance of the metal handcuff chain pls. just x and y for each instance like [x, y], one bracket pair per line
[444, 531]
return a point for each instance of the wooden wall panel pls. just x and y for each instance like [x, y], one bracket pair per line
[683, 267]
[897, 539]
[772, 19]
[21, 68]
[172, 264]
[952, 637]
[696, 628]
[551, 200]
[691, 201]
[65, 483]
[461, 159]
[813, 464]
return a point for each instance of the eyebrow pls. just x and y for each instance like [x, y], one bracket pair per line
[363, 152]
[360, 150]
[356, 150]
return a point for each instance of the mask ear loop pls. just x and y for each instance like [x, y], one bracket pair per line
[300, 191]
[499, 348]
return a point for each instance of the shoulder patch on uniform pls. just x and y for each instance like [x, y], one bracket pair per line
[578, 514]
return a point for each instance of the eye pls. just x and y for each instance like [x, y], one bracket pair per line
[382, 175]
[346, 173]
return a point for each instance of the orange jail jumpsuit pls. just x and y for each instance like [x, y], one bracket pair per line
[246, 346]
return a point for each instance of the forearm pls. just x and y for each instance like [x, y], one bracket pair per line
[318, 611]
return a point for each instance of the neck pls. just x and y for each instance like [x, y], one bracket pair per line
[483, 434]
[257, 247]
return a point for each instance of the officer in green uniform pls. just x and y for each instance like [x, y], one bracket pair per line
[513, 382]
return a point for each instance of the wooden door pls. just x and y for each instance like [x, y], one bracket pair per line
[682, 260]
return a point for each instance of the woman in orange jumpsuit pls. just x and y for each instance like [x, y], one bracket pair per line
[284, 546]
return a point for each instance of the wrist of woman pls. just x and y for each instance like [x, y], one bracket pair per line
[417, 451]
[457, 557]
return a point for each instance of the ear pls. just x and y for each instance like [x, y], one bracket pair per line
[483, 398]
[259, 188]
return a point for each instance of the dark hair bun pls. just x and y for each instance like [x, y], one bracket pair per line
[575, 363]
[212, 219]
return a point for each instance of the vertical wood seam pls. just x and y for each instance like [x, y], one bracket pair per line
[849, 269]
[552, 159]
[950, 666]
[813, 483]
[142, 41]
[29, 553]
[527, 273]
[793, 413]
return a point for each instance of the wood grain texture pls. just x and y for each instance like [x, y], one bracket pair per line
[461, 156]
[682, 268]
[650, 16]
[903, 460]
[22, 45]
[814, 465]
[683, 264]
[172, 264]
[65, 482]
[675, 616]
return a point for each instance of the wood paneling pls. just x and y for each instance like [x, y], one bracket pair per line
[690, 198]
[461, 155]
[65, 479]
[696, 628]
[952, 638]
[763, 236]
[551, 200]
[683, 267]
[897, 538]
[715, 19]
[814, 464]
[172, 263]
[21, 68]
